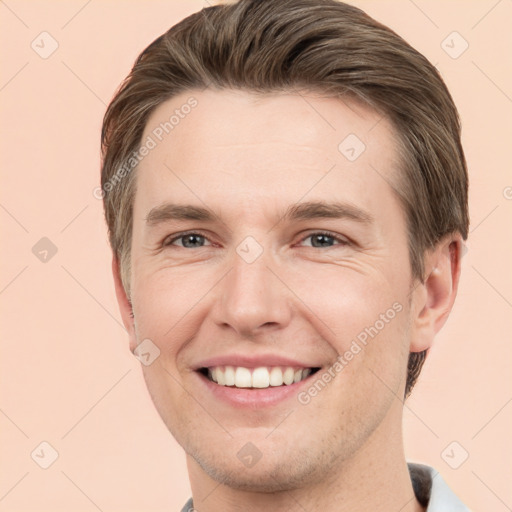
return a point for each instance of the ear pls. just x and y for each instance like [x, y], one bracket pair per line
[433, 299]
[125, 305]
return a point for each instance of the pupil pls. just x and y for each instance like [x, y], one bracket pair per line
[324, 239]
[191, 239]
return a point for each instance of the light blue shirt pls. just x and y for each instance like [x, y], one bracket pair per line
[429, 487]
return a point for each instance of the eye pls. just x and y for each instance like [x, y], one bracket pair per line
[189, 240]
[321, 239]
[193, 240]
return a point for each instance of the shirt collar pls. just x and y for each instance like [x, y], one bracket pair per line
[432, 491]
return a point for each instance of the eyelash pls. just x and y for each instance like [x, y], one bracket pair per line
[342, 241]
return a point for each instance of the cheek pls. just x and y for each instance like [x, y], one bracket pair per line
[169, 306]
[169, 397]
[349, 300]
[365, 320]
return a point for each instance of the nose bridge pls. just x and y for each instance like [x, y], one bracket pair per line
[252, 295]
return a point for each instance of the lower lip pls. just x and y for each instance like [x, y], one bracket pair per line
[253, 397]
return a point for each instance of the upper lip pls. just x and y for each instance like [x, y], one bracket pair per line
[254, 361]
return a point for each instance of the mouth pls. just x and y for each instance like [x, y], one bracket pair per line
[256, 378]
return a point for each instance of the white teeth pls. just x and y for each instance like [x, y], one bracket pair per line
[288, 376]
[243, 377]
[229, 376]
[276, 376]
[261, 377]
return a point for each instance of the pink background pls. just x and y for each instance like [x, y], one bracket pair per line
[67, 376]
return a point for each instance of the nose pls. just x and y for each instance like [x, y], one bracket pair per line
[253, 297]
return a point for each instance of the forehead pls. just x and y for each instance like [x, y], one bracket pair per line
[234, 144]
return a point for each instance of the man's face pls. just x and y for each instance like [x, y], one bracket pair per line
[257, 288]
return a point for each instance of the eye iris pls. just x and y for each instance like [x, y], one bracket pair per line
[191, 238]
[325, 240]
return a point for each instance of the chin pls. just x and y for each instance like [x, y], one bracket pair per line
[276, 470]
[262, 478]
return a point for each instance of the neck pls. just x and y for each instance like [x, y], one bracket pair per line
[375, 478]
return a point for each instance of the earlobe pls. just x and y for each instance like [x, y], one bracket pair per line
[433, 299]
[125, 306]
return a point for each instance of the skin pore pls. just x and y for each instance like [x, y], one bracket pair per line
[249, 160]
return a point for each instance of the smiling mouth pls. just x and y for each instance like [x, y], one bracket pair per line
[256, 378]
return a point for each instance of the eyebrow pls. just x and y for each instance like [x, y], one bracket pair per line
[301, 211]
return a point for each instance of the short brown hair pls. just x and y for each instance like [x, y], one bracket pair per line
[288, 45]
